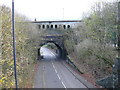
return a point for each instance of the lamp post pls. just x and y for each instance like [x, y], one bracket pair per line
[14, 45]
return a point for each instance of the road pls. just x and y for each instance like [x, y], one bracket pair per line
[52, 73]
[48, 53]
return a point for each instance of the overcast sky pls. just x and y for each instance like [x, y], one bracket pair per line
[52, 9]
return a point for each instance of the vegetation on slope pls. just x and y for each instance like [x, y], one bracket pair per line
[90, 45]
[25, 49]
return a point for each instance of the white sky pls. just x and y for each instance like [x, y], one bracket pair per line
[52, 9]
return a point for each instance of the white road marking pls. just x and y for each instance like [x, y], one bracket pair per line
[55, 70]
[63, 84]
[54, 67]
[58, 76]
[53, 64]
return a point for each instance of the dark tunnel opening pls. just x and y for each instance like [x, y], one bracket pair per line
[68, 26]
[51, 26]
[56, 26]
[43, 26]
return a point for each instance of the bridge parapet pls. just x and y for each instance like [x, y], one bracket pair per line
[62, 25]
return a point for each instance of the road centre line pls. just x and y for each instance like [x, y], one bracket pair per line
[54, 67]
[44, 84]
[58, 75]
[63, 84]
[56, 71]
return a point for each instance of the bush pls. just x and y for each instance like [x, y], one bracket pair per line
[96, 58]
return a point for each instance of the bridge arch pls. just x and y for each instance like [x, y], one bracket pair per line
[60, 49]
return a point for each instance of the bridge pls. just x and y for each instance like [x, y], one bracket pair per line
[55, 73]
[54, 32]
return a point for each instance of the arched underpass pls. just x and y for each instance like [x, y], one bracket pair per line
[51, 50]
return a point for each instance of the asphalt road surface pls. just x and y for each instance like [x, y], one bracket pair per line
[51, 73]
